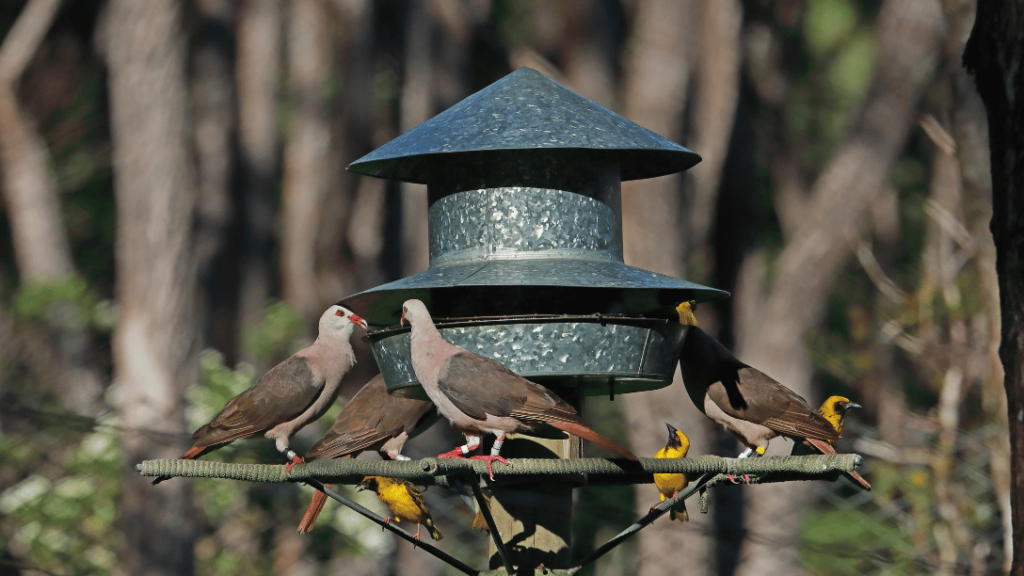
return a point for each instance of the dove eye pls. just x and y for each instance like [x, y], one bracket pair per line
[340, 313]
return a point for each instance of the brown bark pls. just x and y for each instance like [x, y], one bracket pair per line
[307, 154]
[718, 90]
[822, 241]
[258, 72]
[995, 55]
[40, 245]
[657, 75]
[417, 106]
[155, 343]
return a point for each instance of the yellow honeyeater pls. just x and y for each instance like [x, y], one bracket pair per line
[834, 410]
[670, 485]
[404, 500]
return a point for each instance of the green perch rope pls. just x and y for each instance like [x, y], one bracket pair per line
[433, 471]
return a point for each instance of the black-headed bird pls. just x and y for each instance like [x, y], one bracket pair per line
[405, 501]
[742, 399]
[834, 410]
[670, 485]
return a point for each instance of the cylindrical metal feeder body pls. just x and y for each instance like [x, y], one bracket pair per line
[526, 264]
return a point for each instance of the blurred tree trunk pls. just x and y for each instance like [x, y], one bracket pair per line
[33, 208]
[416, 107]
[995, 54]
[307, 154]
[156, 340]
[41, 246]
[772, 339]
[657, 74]
[213, 139]
[258, 75]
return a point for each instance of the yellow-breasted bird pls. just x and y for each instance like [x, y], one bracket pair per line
[834, 410]
[742, 399]
[670, 485]
[404, 500]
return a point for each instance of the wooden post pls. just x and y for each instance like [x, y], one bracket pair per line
[535, 519]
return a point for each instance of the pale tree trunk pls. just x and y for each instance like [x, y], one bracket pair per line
[416, 107]
[657, 75]
[772, 339]
[258, 73]
[994, 54]
[156, 340]
[40, 245]
[719, 61]
[307, 154]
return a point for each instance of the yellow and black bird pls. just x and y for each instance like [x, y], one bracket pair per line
[404, 500]
[742, 399]
[670, 485]
[834, 410]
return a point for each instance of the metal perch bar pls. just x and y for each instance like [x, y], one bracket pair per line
[648, 519]
[426, 546]
[485, 511]
[434, 472]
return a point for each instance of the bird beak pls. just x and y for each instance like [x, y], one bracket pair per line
[357, 320]
[852, 405]
[401, 322]
[671, 429]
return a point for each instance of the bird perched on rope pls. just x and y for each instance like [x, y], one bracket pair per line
[479, 395]
[742, 399]
[670, 485]
[405, 501]
[372, 419]
[834, 410]
[289, 396]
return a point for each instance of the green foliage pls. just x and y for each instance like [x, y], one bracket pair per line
[827, 23]
[838, 541]
[278, 335]
[68, 302]
[64, 520]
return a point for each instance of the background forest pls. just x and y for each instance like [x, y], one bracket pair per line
[176, 215]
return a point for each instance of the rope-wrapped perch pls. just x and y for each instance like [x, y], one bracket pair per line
[433, 471]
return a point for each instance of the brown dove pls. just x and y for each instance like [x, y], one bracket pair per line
[742, 399]
[289, 396]
[479, 395]
[372, 419]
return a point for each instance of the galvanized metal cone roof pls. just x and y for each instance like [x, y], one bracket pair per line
[513, 137]
[525, 111]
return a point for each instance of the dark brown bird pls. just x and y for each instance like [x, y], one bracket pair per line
[479, 395]
[372, 419]
[742, 399]
[289, 396]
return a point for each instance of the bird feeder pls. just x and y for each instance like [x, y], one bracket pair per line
[526, 267]
[525, 226]
[526, 263]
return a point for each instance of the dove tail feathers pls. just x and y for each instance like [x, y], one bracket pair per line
[316, 505]
[852, 475]
[587, 434]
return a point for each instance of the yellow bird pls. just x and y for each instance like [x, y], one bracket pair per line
[670, 485]
[404, 500]
[834, 410]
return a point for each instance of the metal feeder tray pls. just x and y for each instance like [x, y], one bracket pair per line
[597, 354]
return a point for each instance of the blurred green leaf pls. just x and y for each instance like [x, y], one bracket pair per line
[827, 23]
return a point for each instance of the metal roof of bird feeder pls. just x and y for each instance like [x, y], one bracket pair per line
[524, 190]
[525, 111]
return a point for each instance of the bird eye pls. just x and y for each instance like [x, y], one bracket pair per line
[339, 312]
